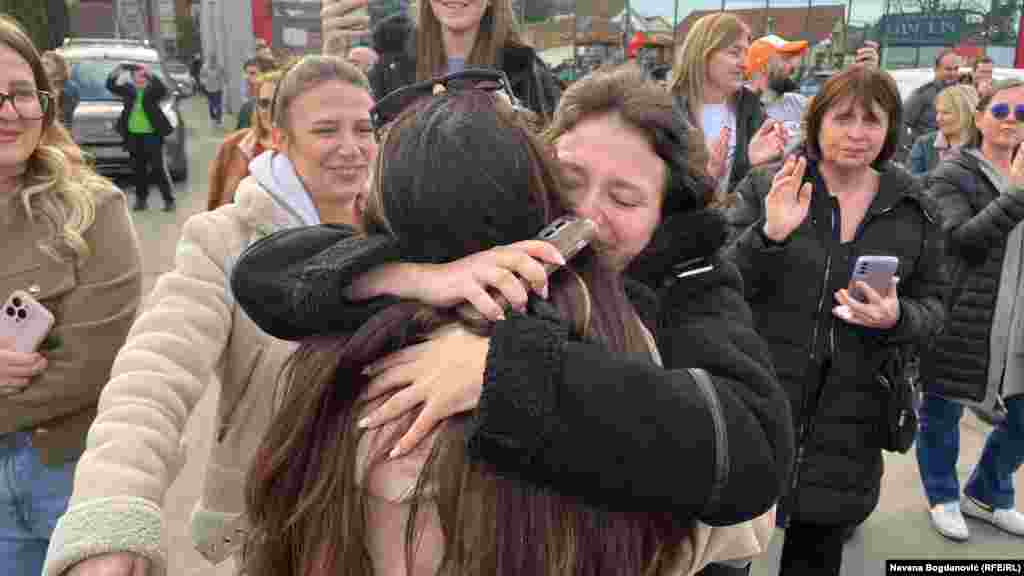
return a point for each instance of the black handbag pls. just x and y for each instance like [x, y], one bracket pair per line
[898, 377]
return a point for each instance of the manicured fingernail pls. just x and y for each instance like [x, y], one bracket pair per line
[395, 453]
[501, 315]
[365, 422]
[560, 259]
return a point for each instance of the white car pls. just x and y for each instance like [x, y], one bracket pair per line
[909, 79]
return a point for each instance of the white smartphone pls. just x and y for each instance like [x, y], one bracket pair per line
[875, 271]
[25, 321]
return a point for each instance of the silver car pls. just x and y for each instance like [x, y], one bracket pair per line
[94, 127]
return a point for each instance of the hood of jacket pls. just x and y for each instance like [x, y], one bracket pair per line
[276, 176]
[681, 240]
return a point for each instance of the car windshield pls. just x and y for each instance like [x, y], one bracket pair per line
[91, 77]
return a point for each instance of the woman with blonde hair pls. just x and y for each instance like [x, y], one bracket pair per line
[448, 38]
[232, 163]
[954, 114]
[707, 85]
[68, 242]
[194, 334]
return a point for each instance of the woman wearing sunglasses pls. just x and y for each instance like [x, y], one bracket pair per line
[450, 37]
[194, 334]
[978, 359]
[232, 163]
[632, 171]
[327, 497]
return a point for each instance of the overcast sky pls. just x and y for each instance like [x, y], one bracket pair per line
[868, 10]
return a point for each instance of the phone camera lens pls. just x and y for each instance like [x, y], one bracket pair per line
[22, 314]
[17, 302]
[10, 311]
[548, 233]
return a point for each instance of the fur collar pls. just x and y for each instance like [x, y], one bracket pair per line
[681, 240]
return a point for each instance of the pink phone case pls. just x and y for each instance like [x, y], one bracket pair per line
[875, 271]
[25, 321]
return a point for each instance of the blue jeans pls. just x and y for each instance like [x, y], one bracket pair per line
[214, 99]
[938, 447]
[32, 498]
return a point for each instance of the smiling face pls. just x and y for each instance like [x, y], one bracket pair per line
[947, 120]
[459, 15]
[329, 140]
[852, 137]
[613, 177]
[18, 137]
[1005, 133]
[726, 67]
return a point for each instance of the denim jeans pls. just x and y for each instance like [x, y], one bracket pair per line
[938, 448]
[32, 498]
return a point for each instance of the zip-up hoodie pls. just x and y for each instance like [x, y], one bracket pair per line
[192, 334]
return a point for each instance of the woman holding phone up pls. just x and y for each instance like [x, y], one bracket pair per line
[805, 226]
[449, 37]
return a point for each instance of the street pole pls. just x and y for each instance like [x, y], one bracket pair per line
[884, 33]
[675, 27]
[626, 25]
[807, 22]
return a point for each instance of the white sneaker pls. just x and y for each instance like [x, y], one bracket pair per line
[948, 521]
[1006, 519]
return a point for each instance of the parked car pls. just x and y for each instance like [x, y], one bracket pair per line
[181, 75]
[94, 128]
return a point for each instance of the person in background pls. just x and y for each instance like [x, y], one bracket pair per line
[143, 125]
[194, 335]
[448, 38]
[707, 85]
[64, 89]
[68, 241]
[253, 68]
[364, 57]
[978, 358]
[771, 62]
[981, 75]
[212, 76]
[239, 149]
[954, 114]
[798, 233]
[919, 108]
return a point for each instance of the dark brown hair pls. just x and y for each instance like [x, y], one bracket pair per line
[303, 498]
[864, 86]
[646, 106]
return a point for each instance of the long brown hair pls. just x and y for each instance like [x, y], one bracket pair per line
[711, 33]
[497, 29]
[304, 499]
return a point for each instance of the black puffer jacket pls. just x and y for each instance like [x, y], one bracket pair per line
[567, 414]
[395, 42]
[156, 91]
[977, 220]
[790, 288]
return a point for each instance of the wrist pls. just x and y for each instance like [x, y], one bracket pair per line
[398, 279]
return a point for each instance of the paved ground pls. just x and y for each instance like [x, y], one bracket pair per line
[899, 528]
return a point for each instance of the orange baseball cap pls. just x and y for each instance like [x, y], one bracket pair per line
[762, 50]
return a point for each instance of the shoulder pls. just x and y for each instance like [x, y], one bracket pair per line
[956, 170]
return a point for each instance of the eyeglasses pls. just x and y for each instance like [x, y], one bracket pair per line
[27, 104]
[265, 103]
[1001, 111]
[489, 80]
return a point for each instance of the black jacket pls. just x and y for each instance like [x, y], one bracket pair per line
[395, 42]
[749, 118]
[155, 92]
[790, 288]
[620, 434]
[978, 220]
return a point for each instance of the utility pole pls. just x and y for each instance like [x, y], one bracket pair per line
[675, 28]
[883, 31]
[807, 22]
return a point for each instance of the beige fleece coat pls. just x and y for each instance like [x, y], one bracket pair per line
[192, 335]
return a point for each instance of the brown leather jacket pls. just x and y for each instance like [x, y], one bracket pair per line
[231, 166]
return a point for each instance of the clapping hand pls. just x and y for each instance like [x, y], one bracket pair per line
[768, 144]
[788, 201]
[719, 152]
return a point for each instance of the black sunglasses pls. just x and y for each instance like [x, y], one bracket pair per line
[1001, 111]
[392, 105]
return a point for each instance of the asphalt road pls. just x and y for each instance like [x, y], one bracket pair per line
[899, 528]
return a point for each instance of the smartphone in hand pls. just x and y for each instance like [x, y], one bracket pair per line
[25, 321]
[875, 271]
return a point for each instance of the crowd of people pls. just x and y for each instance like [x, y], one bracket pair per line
[412, 382]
